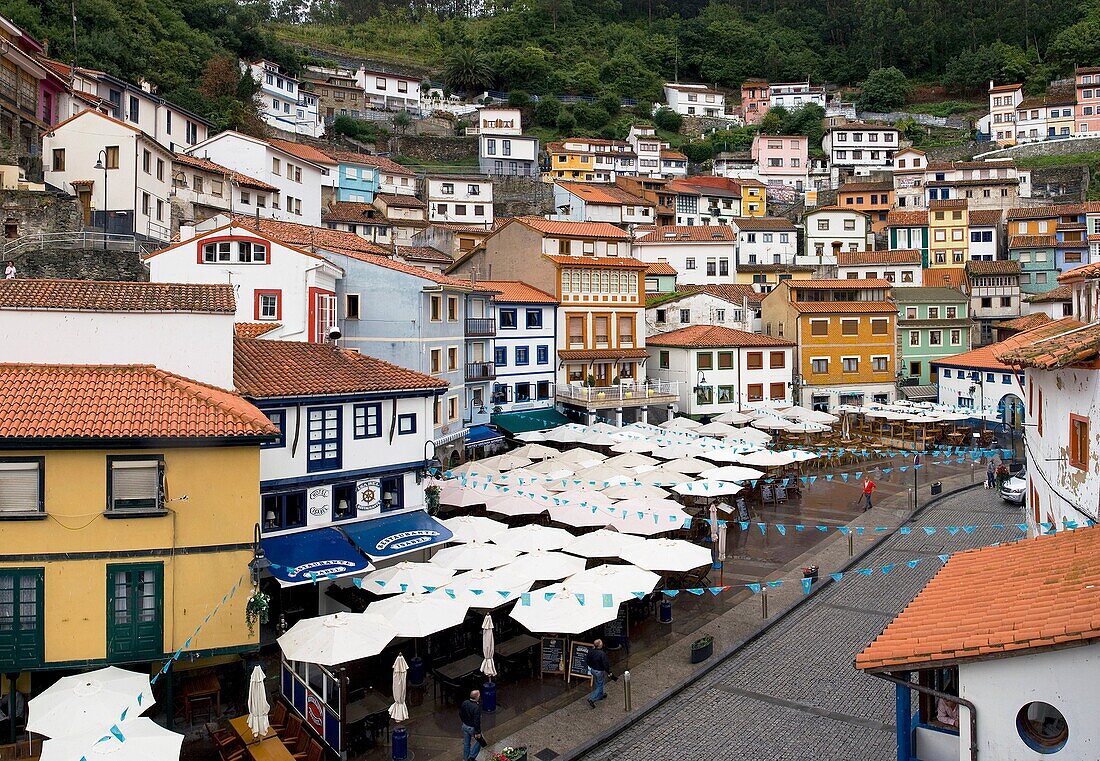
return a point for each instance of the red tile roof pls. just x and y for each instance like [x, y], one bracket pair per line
[302, 151]
[112, 296]
[860, 283]
[353, 211]
[254, 329]
[600, 194]
[999, 267]
[1005, 88]
[1061, 293]
[598, 261]
[713, 336]
[766, 224]
[207, 165]
[568, 354]
[573, 229]
[660, 268]
[380, 162]
[1074, 344]
[860, 126]
[1034, 594]
[270, 369]
[906, 218]
[424, 254]
[1086, 272]
[1032, 241]
[985, 217]
[119, 402]
[949, 277]
[734, 293]
[690, 234]
[844, 307]
[864, 187]
[950, 203]
[516, 292]
[896, 256]
[310, 238]
[986, 358]
[1027, 322]
[1046, 212]
[400, 201]
[673, 155]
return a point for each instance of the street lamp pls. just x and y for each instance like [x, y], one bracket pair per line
[259, 562]
[101, 163]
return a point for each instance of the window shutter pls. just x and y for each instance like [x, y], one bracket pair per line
[135, 483]
[19, 483]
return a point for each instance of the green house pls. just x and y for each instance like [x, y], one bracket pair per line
[933, 323]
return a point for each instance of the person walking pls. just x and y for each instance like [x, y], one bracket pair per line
[990, 473]
[599, 665]
[470, 715]
[869, 487]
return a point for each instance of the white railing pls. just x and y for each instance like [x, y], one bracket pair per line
[82, 239]
[622, 392]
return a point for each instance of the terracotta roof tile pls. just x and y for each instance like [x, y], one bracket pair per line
[424, 254]
[270, 369]
[1005, 88]
[671, 155]
[949, 277]
[1075, 343]
[897, 218]
[574, 229]
[860, 283]
[1086, 272]
[865, 187]
[734, 293]
[1032, 241]
[986, 358]
[766, 224]
[400, 201]
[254, 329]
[1027, 322]
[517, 292]
[1061, 293]
[950, 203]
[380, 162]
[598, 261]
[988, 595]
[999, 267]
[845, 307]
[568, 354]
[781, 268]
[660, 268]
[691, 234]
[861, 126]
[353, 211]
[896, 256]
[985, 217]
[602, 194]
[716, 336]
[310, 238]
[112, 296]
[207, 165]
[119, 402]
[1046, 212]
[302, 151]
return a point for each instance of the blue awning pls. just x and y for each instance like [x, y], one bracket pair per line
[479, 435]
[397, 534]
[308, 556]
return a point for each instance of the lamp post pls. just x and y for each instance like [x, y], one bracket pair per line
[259, 562]
[101, 163]
[700, 384]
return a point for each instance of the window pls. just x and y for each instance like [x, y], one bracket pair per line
[542, 355]
[819, 365]
[720, 315]
[435, 359]
[351, 306]
[704, 360]
[777, 360]
[914, 368]
[880, 364]
[112, 156]
[850, 364]
[267, 305]
[662, 360]
[754, 360]
[367, 421]
[689, 263]
[777, 390]
[134, 484]
[849, 327]
[452, 358]
[849, 224]
[135, 109]
[685, 315]
[135, 611]
[437, 309]
[756, 392]
[1078, 441]
[523, 355]
[21, 617]
[1006, 301]
[508, 319]
[542, 390]
[323, 451]
[819, 327]
[500, 356]
[278, 419]
[452, 308]
[1042, 727]
[22, 486]
[952, 312]
[59, 159]
[914, 338]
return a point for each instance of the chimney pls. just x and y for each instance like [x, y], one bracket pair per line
[187, 232]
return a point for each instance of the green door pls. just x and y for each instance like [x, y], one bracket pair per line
[135, 612]
[21, 618]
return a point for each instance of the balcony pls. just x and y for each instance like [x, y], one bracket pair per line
[480, 371]
[481, 327]
[622, 395]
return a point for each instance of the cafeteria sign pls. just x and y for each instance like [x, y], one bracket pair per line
[404, 540]
[368, 496]
[323, 568]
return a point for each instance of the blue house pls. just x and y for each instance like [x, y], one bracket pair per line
[361, 176]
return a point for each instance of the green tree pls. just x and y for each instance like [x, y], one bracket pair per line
[468, 71]
[590, 115]
[667, 119]
[883, 90]
[547, 111]
[566, 122]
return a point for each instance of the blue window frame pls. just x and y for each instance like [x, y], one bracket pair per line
[542, 355]
[946, 373]
[368, 421]
[523, 355]
[523, 392]
[542, 390]
[406, 423]
[508, 319]
[534, 318]
[393, 493]
[323, 451]
[277, 418]
[1006, 379]
[286, 510]
[500, 356]
[343, 502]
[989, 377]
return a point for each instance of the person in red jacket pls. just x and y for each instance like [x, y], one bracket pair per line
[869, 487]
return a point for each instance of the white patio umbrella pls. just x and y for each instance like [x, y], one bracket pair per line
[676, 451]
[488, 647]
[542, 565]
[603, 427]
[728, 453]
[581, 455]
[662, 477]
[399, 711]
[576, 497]
[634, 445]
[520, 502]
[619, 579]
[418, 615]
[680, 424]
[734, 418]
[138, 739]
[602, 476]
[531, 436]
[770, 423]
[258, 706]
[469, 469]
[597, 439]
[707, 487]
[667, 555]
[503, 462]
[533, 537]
[806, 426]
[651, 523]
[732, 473]
[535, 452]
[766, 458]
[554, 465]
[801, 455]
[567, 609]
[463, 557]
[473, 492]
[337, 638]
[629, 460]
[794, 412]
[633, 490]
[405, 576]
[648, 505]
[716, 429]
[817, 416]
[601, 543]
[748, 435]
[577, 516]
[484, 589]
[563, 435]
[687, 465]
[473, 528]
[88, 703]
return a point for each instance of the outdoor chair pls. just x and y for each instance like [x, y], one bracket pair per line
[290, 733]
[449, 690]
[278, 717]
[301, 743]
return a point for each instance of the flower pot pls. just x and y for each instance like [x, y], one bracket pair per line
[701, 649]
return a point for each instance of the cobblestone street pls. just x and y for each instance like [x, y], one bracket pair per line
[793, 693]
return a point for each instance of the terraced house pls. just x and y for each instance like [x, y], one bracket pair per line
[1047, 240]
[933, 323]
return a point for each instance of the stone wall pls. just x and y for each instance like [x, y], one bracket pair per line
[963, 152]
[82, 264]
[434, 150]
[33, 213]
[1066, 147]
[519, 196]
[1059, 184]
[697, 126]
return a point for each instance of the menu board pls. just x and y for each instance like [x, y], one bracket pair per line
[553, 655]
[617, 628]
[578, 660]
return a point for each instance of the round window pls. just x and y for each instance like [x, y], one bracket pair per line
[1042, 727]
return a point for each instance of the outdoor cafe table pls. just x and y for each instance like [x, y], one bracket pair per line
[461, 669]
[269, 748]
[368, 705]
[515, 646]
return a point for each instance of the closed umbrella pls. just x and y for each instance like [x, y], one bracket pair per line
[399, 711]
[673, 555]
[629, 460]
[633, 490]
[602, 543]
[732, 473]
[485, 589]
[567, 609]
[137, 739]
[707, 487]
[88, 703]
[405, 576]
[419, 615]
[621, 580]
[473, 528]
[535, 452]
[463, 557]
[337, 638]
[257, 704]
[543, 565]
[488, 647]
[533, 537]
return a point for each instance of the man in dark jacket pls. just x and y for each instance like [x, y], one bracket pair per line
[470, 714]
[599, 665]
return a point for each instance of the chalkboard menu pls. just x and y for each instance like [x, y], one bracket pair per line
[616, 630]
[553, 655]
[578, 660]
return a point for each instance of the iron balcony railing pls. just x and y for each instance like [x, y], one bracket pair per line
[480, 371]
[480, 327]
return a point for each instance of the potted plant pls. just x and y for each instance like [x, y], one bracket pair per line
[431, 499]
[590, 381]
[511, 754]
[258, 608]
[701, 649]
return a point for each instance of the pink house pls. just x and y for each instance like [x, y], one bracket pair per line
[754, 100]
[1087, 109]
[782, 159]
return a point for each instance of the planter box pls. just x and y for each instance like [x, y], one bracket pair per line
[702, 649]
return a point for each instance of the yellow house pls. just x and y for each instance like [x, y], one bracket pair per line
[754, 198]
[583, 159]
[948, 233]
[845, 331]
[128, 497]
[764, 277]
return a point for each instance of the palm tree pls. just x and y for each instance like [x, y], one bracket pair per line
[468, 70]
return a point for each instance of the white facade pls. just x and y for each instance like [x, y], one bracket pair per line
[714, 391]
[460, 200]
[758, 245]
[827, 399]
[982, 389]
[1031, 121]
[695, 100]
[907, 275]
[525, 356]
[702, 308]
[861, 147]
[134, 188]
[984, 242]
[828, 226]
[283, 104]
[649, 149]
[697, 261]
[403, 184]
[273, 283]
[498, 120]
[392, 92]
[298, 181]
[589, 202]
[795, 95]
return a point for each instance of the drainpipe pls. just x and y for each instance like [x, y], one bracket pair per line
[972, 710]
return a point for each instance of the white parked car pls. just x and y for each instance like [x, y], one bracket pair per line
[1014, 489]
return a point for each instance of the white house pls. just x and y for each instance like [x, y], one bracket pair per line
[282, 102]
[900, 267]
[861, 148]
[181, 328]
[734, 306]
[695, 100]
[390, 91]
[503, 149]
[910, 165]
[461, 199]
[831, 229]
[122, 177]
[524, 351]
[792, 95]
[655, 157]
[765, 240]
[1010, 630]
[721, 369]
[203, 189]
[985, 234]
[1055, 304]
[298, 181]
[600, 202]
[288, 287]
[699, 254]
